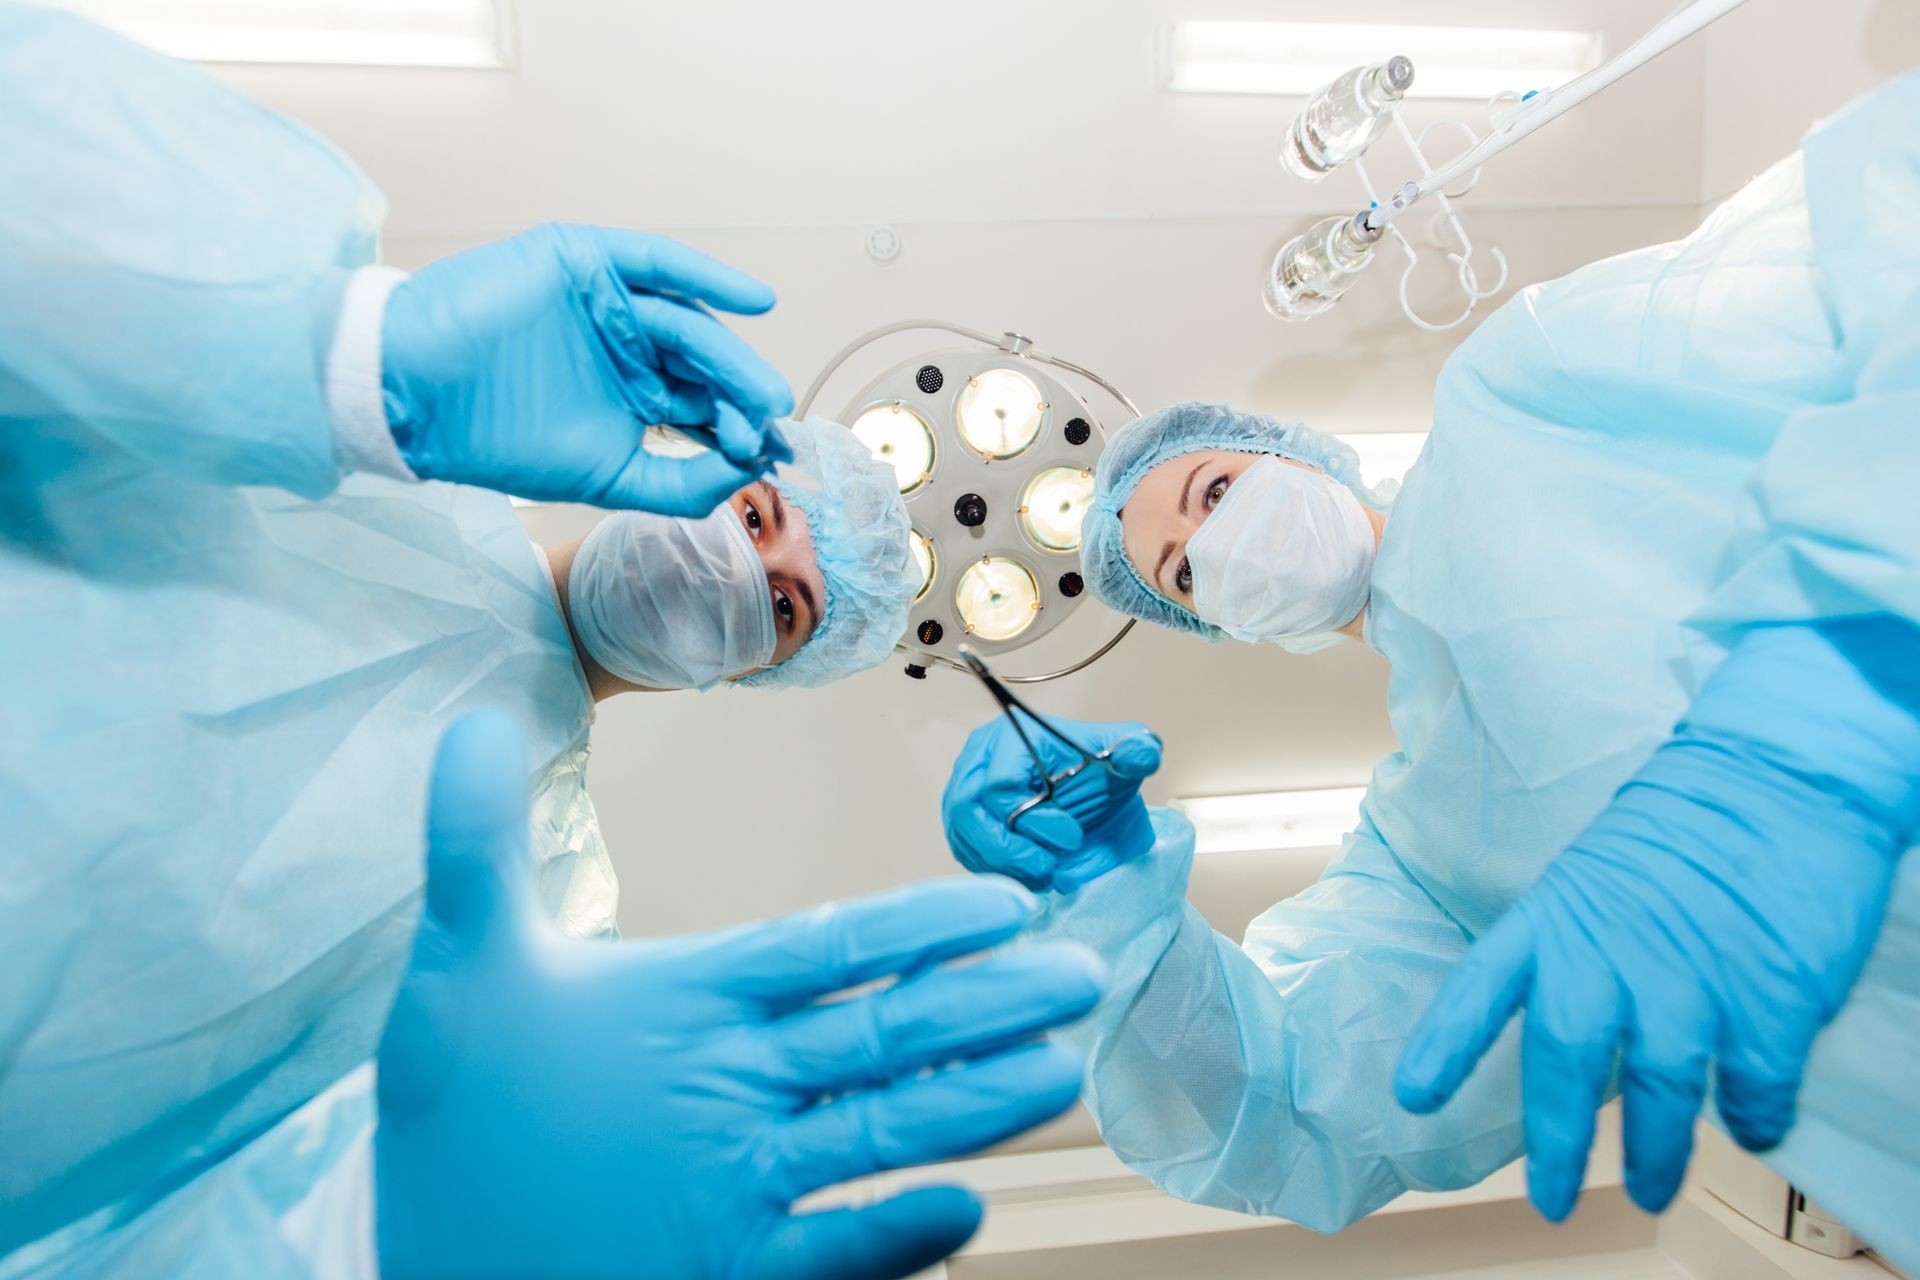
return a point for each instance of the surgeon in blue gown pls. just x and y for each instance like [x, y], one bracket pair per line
[236, 624]
[1650, 596]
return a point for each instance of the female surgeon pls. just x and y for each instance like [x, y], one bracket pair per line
[236, 622]
[1676, 486]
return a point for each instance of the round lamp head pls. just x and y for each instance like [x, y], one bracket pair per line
[1000, 412]
[995, 457]
[1055, 506]
[899, 436]
[923, 560]
[996, 598]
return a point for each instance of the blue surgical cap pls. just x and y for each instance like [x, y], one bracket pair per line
[861, 539]
[1144, 444]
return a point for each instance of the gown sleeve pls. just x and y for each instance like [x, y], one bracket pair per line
[1830, 526]
[1258, 1077]
[173, 260]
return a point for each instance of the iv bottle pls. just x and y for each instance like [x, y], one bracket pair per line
[1314, 268]
[1343, 119]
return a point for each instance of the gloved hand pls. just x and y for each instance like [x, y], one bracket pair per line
[563, 1108]
[1095, 822]
[1720, 909]
[532, 365]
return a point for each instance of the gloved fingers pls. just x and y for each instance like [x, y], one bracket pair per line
[1097, 786]
[715, 356]
[1013, 772]
[1136, 754]
[1045, 824]
[1566, 1060]
[1093, 795]
[656, 264]
[1661, 1093]
[1756, 1095]
[946, 1015]
[984, 845]
[899, 1236]
[989, 786]
[739, 439]
[1013, 776]
[1473, 1006]
[688, 487]
[799, 958]
[1136, 748]
[685, 403]
[927, 1119]
[730, 431]
[478, 886]
[775, 444]
[1123, 833]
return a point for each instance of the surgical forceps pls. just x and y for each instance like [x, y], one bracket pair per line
[1049, 781]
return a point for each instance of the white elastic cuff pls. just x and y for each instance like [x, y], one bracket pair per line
[362, 440]
[332, 1227]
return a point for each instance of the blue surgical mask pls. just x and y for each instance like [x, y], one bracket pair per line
[671, 603]
[1287, 557]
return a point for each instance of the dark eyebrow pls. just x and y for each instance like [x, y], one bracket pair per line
[780, 518]
[1164, 553]
[805, 589]
[1186, 491]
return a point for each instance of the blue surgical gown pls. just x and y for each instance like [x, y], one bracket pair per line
[1627, 468]
[226, 669]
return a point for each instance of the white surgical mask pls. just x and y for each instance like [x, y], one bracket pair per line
[671, 603]
[1286, 557]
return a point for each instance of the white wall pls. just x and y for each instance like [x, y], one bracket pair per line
[1041, 182]
[1775, 67]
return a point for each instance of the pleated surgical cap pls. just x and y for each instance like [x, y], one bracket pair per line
[858, 523]
[1144, 444]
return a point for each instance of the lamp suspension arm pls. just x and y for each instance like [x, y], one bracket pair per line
[847, 352]
[1550, 104]
[1090, 376]
[1081, 665]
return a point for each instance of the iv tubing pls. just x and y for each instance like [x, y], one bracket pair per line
[1549, 104]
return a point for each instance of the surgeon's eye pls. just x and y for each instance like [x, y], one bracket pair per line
[1183, 577]
[751, 518]
[783, 609]
[1215, 491]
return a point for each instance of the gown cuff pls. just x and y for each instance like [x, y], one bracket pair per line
[362, 440]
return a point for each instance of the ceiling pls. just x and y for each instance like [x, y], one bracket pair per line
[758, 113]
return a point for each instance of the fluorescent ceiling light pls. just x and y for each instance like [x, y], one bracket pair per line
[364, 33]
[1386, 455]
[1273, 819]
[1299, 57]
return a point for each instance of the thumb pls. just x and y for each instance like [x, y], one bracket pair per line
[1473, 1006]
[1136, 751]
[477, 878]
[688, 488]
[899, 1236]
[741, 441]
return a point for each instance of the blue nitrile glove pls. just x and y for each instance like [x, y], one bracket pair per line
[1719, 910]
[1095, 822]
[532, 365]
[556, 1107]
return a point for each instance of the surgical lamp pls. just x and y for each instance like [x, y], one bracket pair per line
[995, 453]
[1314, 269]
